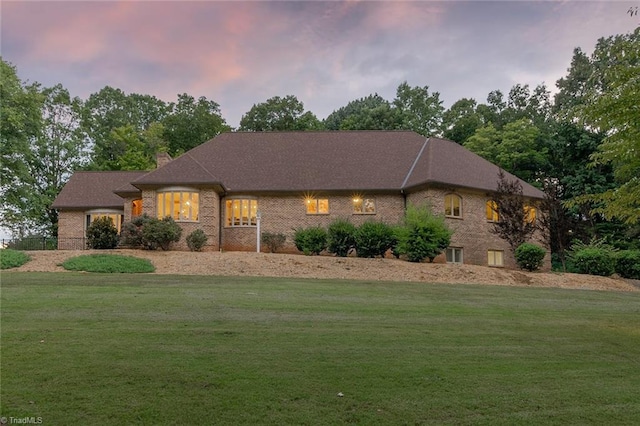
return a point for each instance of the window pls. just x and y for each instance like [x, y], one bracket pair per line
[116, 219]
[530, 214]
[492, 211]
[494, 257]
[364, 205]
[180, 205]
[136, 208]
[452, 205]
[317, 205]
[454, 255]
[241, 212]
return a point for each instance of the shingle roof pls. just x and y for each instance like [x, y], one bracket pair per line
[328, 161]
[92, 190]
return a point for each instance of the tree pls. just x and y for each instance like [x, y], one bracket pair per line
[512, 225]
[615, 111]
[279, 114]
[191, 123]
[50, 156]
[369, 113]
[461, 120]
[418, 110]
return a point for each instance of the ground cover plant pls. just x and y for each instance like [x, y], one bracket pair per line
[149, 349]
[12, 258]
[108, 263]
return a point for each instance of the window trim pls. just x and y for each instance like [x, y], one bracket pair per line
[494, 264]
[362, 201]
[460, 249]
[229, 219]
[453, 196]
[178, 190]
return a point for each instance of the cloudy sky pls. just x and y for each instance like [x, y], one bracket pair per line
[325, 53]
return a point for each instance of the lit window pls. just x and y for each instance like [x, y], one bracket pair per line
[317, 205]
[452, 205]
[180, 205]
[454, 255]
[530, 214]
[115, 218]
[492, 211]
[136, 208]
[364, 205]
[241, 212]
[494, 257]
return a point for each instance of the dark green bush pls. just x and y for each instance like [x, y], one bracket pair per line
[529, 256]
[373, 239]
[274, 242]
[12, 258]
[102, 234]
[594, 261]
[131, 234]
[161, 233]
[423, 235]
[310, 240]
[196, 240]
[628, 264]
[341, 237]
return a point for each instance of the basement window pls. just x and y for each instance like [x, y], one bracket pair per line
[454, 255]
[495, 257]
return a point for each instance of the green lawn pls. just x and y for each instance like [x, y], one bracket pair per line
[176, 350]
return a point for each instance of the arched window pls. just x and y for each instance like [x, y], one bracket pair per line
[452, 205]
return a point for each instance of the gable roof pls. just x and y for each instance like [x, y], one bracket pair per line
[93, 190]
[328, 161]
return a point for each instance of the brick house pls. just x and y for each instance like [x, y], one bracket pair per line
[299, 179]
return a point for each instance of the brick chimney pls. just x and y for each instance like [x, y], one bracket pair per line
[162, 158]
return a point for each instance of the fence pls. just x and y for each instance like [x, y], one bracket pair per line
[44, 243]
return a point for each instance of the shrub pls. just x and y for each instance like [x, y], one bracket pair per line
[594, 261]
[108, 263]
[341, 237]
[131, 234]
[423, 235]
[12, 258]
[373, 239]
[310, 240]
[628, 264]
[529, 256]
[274, 242]
[161, 232]
[102, 234]
[196, 240]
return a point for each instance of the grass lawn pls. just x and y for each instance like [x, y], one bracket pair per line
[176, 350]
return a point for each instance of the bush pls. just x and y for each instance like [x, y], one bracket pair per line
[102, 234]
[12, 258]
[196, 240]
[273, 241]
[161, 233]
[423, 235]
[529, 256]
[341, 237]
[131, 234]
[594, 261]
[108, 263]
[373, 239]
[310, 240]
[628, 264]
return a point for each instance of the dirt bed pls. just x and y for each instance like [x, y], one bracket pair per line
[299, 266]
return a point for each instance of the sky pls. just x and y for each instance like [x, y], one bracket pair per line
[326, 53]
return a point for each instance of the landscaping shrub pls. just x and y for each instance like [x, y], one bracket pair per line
[341, 237]
[310, 240]
[628, 264]
[425, 235]
[12, 258]
[108, 263]
[102, 234]
[373, 239]
[196, 240]
[529, 256]
[274, 242]
[161, 232]
[594, 261]
[131, 234]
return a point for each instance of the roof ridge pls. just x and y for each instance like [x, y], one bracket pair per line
[415, 161]
[202, 167]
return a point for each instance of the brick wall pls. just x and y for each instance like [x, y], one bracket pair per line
[70, 229]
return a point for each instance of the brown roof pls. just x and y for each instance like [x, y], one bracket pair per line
[329, 161]
[92, 190]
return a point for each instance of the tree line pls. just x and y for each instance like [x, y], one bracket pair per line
[581, 146]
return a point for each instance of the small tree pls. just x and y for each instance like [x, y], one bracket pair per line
[132, 235]
[196, 240]
[102, 234]
[373, 239]
[310, 240]
[529, 256]
[423, 235]
[341, 237]
[513, 224]
[274, 242]
[162, 233]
